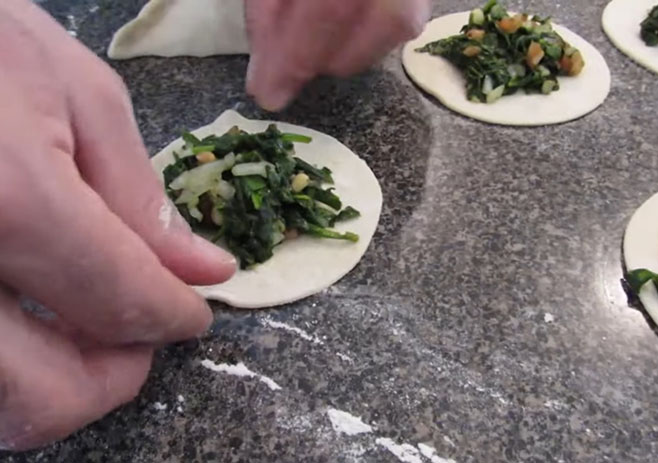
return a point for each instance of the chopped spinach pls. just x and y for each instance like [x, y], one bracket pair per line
[649, 28]
[500, 54]
[249, 192]
[638, 278]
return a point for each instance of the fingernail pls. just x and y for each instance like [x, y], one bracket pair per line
[214, 252]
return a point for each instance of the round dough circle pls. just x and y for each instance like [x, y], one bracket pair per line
[621, 22]
[577, 95]
[641, 250]
[306, 265]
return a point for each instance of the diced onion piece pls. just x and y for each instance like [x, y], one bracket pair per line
[277, 237]
[203, 178]
[487, 85]
[196, 213]
[251, 168]
[217, 217]
[548, 86]
[543, 71]
[495, 94]
[477, 17]
[225, 190]
[516, 70]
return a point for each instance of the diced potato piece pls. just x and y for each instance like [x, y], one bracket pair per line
[535, 55]
[299, 182]
[476, 34]
[472, 51]
[510, 25]
[572, 65]
[205, 157]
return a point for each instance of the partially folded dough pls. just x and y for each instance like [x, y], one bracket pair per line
[183, 28]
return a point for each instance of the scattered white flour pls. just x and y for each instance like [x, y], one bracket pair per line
[344, 423]
[180, 399]
[239, 370]
[430, 453]
[406, 453]
[165, 214]
[549, 318]
[299, 332]
[347, 358]
[160, 406]
[554, 404]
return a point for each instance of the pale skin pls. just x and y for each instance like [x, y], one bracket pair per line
[85, 227]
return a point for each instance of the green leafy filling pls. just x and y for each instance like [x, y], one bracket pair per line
[649, 28]
[499, 54]
[251, 193]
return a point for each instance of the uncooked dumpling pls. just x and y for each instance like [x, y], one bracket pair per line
[306, 265]
[577, 95]
[183, 28]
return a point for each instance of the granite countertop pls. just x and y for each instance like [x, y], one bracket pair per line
[487, 319]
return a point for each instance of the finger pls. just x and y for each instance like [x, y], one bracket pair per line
[113, 161]
[385, 25]
[49, 388]
[290, 50]
[67, 250]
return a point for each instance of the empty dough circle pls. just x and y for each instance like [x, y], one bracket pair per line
[641, 250]
[577, 96]
[621, 22]
[306, 265]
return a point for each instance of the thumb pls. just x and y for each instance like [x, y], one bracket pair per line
[113, 160]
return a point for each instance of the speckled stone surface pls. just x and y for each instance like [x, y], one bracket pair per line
[486, 320]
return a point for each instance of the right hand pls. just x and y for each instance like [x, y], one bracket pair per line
[85, 228]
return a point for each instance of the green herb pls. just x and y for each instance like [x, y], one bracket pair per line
[649, 31]
[500, 54]
[244, 198]
[638, 278]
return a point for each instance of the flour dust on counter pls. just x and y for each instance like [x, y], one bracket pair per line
[312, 240]
[240, 370]
[493, 90]
[622, 21]
[196, 28]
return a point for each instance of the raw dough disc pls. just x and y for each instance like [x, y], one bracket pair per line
[183, 28]
[641, 250]
[306, 265]
[621, 22]
[577, 95]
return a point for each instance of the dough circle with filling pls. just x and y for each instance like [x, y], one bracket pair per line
[621, 22]
[641, 250]
[306, 265]
[577, 96]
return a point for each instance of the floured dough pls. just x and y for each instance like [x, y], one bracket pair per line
[577, 95]
[183, 28]
[621, 22]
[306, 265]
[641, 250]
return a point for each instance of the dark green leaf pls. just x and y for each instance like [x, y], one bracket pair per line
[638, 278]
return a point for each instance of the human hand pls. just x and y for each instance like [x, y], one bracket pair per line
[85, 229]
[293, 41]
